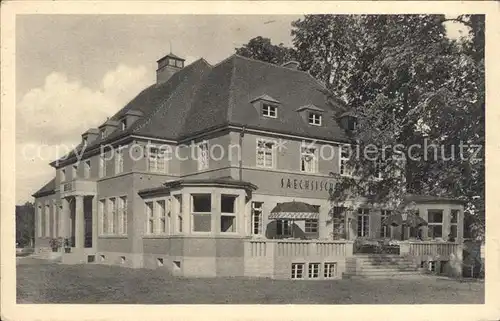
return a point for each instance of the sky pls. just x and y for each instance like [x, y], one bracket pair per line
[73, 71]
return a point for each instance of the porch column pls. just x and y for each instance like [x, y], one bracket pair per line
[79, 222]
[64, 218]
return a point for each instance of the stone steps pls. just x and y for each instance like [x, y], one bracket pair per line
[379, 266]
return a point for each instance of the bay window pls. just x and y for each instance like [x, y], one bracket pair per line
[201, 207]
[228, 213]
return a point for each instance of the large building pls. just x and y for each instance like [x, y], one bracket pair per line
[200, 172]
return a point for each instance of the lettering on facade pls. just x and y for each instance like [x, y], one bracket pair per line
[306, 184]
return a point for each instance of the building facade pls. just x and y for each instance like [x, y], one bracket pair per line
[186, 175]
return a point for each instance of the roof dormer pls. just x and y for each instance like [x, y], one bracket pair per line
[130, 117]
[348, 120]
[266, 106]
[90, 135]
[312, 114]
[108, 127]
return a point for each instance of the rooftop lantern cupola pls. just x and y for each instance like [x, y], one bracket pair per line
[167, 66]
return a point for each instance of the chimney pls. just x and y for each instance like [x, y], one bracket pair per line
[291, 65]
[167, 66]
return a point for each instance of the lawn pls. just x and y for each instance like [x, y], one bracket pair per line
[57, 283]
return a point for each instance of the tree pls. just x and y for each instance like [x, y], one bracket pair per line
[409, 85]
[260, 48]
[25, 224]
[328, 46]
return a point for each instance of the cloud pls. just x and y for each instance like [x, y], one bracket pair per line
[51, 119]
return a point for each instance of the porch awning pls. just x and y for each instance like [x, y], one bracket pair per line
[293, 216]
[294, 211]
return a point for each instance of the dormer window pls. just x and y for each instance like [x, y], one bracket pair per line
[269, 111]
[352, 123]
[123, 124]
[315, 118]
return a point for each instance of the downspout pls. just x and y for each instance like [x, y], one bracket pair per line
[242, 133]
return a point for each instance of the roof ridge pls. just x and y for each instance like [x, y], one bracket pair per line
[282, 67]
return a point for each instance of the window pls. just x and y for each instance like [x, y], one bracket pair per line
[432, 266]
[329, 270]
[314, 119]
[179, 213]
[297, 270]
[228, 213]
[157, 160]
[338, 222]
[74, 171]
[103, 229]
[119, 160]
[311, 226]
[123, 123]
[363, 222]
[203, 156]
[308, 160]
[86, 168]
[385, 231]
[284, 228]
[435, 223]
[63, 175]
[344, 158]
[257, 218]
[201, 207]
[313, 270]
[178, 63]
[269, 111]
[103, 134]
[454, 225]
[47, 220]
[150, 228]
[122, 208]
[265, 153]
[162, 216]
[112, 216]
[102, 165]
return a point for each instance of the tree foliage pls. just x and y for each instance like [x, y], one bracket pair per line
[409, 85]
[25, 224]
[260, 48]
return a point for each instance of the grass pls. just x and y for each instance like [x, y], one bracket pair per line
[57, 283]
